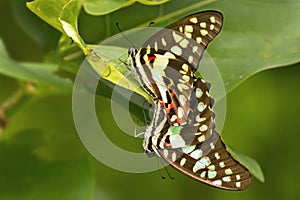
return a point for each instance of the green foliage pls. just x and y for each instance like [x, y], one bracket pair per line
[40, 153]
[96, 7]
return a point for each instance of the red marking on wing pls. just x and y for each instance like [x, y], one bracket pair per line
[151, 58]
[168, 107]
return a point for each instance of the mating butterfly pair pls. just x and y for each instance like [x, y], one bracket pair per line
[182, 130]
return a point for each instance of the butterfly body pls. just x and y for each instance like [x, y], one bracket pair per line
[182, 131]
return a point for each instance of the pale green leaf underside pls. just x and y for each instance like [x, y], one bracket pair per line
[104, 7]
[249, 163]
[41, 74]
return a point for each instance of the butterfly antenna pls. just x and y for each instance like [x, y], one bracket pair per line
[120, 30]
[166, 169]
[162, 177]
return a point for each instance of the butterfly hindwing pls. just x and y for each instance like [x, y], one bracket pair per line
[203, 155]
[215, 166]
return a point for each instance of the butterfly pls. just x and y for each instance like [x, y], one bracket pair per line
[182, 131]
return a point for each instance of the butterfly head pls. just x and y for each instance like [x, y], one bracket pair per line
[132, 52]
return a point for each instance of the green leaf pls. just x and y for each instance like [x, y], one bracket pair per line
[48, 10]
[41, 74]
[62, 15]
[257, 35]
[35, 178]
[114, 71]
[35, 28]
[249, 163]
[153, 2]
[104, 7]
[68, 19]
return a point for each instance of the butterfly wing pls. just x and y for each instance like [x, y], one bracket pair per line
[167, 61]
[187, 38]
[198, 151]
[215, 167]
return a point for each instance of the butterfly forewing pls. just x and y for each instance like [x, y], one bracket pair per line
[167, 61]
[187, 38]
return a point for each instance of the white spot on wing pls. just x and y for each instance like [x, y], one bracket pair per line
[198, 92]
[188, 35]
[173, 156]
[212, 146]
[194, 20]
[198, 40]
[163, 41]
[203, 32]
[201, 106]
[228, 171]
[195, 49]
[217, 156]
[212, 19]
[148, 49]
[173, 118]
[201, 138]
[190, 59]
[222, 164]
[177, 37]
[202, 175]
[212, 174]
[196, 154]
[198, 165]
[186, 78]
[177, 141]
[182, 87]
[180, 29]
[226, 178]
[166, 152]
[184, 43]
[203, 24]
[211, 167]
[180, 112]
[217, 182]
[203, 128]
[155, 46]
[188, 28]
[185, 67]
[169, 55]
[177, 50]
[205, 160]
[188, 149]
[182, 161]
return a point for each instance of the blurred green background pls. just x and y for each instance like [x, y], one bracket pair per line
[41, 156]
